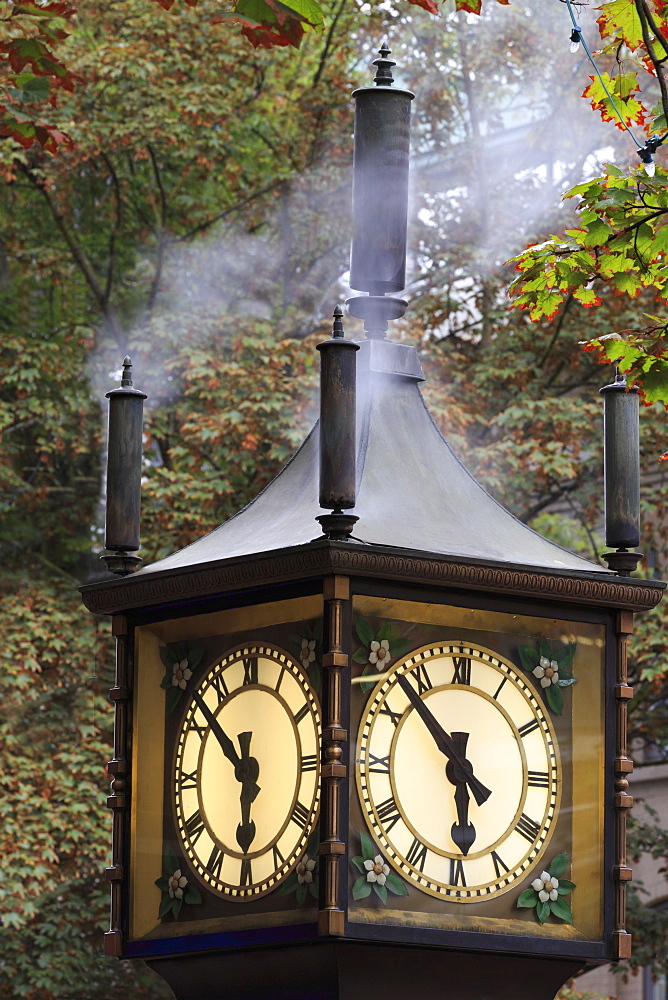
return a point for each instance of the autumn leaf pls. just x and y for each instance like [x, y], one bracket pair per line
[620, 19]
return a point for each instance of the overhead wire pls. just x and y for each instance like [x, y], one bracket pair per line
[646, 151]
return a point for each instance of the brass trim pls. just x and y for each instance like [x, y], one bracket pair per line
[332, 847]
[622, 801]
[117, 800]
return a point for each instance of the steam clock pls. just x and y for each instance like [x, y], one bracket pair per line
[370, 732]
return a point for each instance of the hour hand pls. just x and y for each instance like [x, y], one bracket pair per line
[463, 833]
[246, 772]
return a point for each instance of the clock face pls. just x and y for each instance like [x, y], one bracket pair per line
[458, 771]
[246, 771]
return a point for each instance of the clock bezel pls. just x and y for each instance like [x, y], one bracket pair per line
[233, 656]
[533, 858]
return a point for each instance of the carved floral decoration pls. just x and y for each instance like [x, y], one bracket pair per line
[378, 648]
[547, 892]
[180, 661]
[303, 880]
[175, 887]
[307, 649]
[548, 663]
[376, 875]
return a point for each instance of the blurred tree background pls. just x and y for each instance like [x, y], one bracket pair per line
[200, 222]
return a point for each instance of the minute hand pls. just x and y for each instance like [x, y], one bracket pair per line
[226, 744]
[444, 742]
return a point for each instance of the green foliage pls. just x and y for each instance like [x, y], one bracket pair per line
[54, 827]
[202, 223]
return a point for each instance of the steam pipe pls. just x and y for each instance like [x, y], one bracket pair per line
[621, 474]
[337, 430]
[380, 197]
[124, 464]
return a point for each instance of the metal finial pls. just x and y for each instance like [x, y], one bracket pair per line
[383, 77]
[337, 326]
[127, 365]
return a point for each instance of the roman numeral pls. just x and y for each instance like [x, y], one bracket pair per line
[538, 779]
[188, 780]
[421, 678]
[417, 854]
[498, 865]
[462, 674]
[388, 813]
[279, 860]
[301, 714]
[528, 727]
[299, 814]
[309, 762]
[498, 690]
[200, 730]
[378, 765]
[528, 828]
[246, 875]
[195, 826]
[250, 669]
[215, 862]
[218, 682]
[280, 679]
[395, 716]
[457, 876]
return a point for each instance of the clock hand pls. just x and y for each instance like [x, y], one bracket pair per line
[226, 744]
[463, 832]
[443, 741]
[246, 772]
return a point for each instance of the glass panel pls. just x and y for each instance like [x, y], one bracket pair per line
[226, 773]
[470, 809]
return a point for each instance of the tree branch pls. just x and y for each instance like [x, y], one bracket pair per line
[82, 262]
[228, 211]
[645, 16]
[115, 228]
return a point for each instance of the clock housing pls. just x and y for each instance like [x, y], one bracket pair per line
[226, 774]
[460, 863]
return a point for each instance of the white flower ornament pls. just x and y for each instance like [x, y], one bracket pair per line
[307, 653]
[547, 672]
[377, 870]
[546, 886]
[380, 653]
[181, 674]
[305, 870]
[177, 883]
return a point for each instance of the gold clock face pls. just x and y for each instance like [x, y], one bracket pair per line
[458, 771]
[246, 771]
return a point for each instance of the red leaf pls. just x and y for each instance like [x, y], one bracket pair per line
[664, 457]
[429, 5]
[470, 6]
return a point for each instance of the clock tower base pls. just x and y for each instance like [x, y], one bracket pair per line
[348, 970]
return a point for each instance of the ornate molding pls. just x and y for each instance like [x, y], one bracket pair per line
[332, 844]
[323, 558]
[623, 766]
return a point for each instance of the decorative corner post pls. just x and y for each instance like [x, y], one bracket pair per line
[124, 455]
[332, 846]
[380, 199]
[621, 474]
[621, 944]
[337, 431]
[117, 801]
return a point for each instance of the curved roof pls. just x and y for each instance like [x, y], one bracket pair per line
[412, 491]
